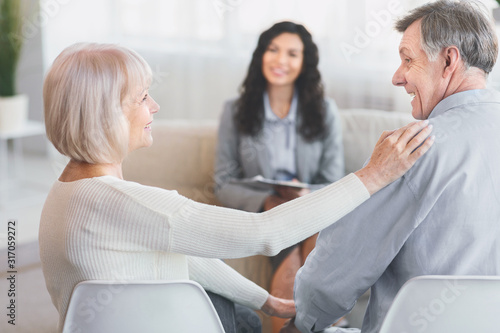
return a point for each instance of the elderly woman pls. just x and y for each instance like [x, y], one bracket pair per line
[95, 225]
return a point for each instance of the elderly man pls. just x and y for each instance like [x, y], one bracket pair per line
[443, 216]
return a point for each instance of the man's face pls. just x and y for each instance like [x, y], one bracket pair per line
[420, 77]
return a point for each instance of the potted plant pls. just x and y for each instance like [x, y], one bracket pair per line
[13, 106]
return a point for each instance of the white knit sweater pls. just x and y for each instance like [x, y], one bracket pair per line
[107, 228]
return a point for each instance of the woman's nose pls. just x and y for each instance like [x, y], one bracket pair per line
[282, 57]
[155, 107]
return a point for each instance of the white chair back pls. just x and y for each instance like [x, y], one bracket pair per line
[439, 304]
[141, 306]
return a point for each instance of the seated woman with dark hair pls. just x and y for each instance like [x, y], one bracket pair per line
[97, 226]
[281, 127]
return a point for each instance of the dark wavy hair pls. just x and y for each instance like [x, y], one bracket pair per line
[249, 116]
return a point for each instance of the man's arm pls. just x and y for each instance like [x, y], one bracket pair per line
[351, 255]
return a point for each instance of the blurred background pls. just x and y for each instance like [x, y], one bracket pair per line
[199, 50]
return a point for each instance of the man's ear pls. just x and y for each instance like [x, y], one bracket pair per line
[452, 60]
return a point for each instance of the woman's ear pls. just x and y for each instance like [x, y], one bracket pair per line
[452, 60]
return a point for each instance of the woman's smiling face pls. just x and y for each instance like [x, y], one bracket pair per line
[139, 110]
[282, 61]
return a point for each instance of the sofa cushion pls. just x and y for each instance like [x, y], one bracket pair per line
[361, 129]
[183, 153]
[181, 158]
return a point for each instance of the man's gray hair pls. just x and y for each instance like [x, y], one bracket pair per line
[462, 24]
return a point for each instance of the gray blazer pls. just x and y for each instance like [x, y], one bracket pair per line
[319, 163]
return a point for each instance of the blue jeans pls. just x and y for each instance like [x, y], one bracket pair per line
[235, 318]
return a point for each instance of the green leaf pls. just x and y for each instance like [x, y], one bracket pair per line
[11, 42]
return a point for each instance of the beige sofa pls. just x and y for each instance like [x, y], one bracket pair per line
[182, 158]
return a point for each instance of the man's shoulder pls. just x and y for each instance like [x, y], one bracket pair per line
[476, 99]
[462, 134]
[472, 113]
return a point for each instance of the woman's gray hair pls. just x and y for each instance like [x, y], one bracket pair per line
[83, 95]
[463, 24]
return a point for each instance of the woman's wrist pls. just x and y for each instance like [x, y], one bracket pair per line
[370, 179]
[279, 307]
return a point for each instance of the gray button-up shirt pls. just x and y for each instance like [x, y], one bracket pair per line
[441, 218]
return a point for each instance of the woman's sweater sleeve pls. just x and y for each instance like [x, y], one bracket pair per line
[216, 276]
[216, 232]
[166, 221]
